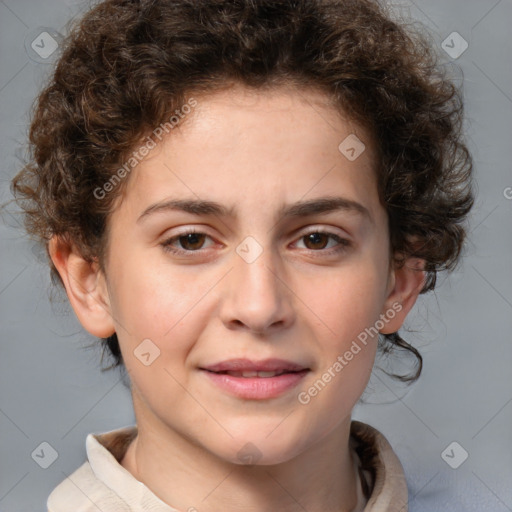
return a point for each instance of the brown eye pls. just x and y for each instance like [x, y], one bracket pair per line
[191, 241]
[316, 240]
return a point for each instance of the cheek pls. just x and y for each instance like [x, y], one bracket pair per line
[153, 300]
[349, 301]
[160, 312]
[349, 306]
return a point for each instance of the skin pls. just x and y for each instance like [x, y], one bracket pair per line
[299, 300]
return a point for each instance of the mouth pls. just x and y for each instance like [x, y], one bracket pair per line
[248, 366]
[251, 374]
[256, 380]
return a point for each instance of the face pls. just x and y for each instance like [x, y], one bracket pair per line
[205, 295]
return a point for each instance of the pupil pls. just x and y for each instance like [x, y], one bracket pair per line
[315, 237]
[192, 238]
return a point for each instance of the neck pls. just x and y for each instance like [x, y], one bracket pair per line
[188, 477]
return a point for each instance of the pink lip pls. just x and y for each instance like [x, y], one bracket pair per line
[256, 388]
[267, 365]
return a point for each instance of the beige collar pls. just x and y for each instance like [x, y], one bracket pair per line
[103, 482]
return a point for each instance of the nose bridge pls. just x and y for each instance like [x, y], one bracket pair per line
[258, 298]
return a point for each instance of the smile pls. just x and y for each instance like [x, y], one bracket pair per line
[252, 380]
[249, 374]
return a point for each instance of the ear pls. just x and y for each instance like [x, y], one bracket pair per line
[404, 286]
[85, 285]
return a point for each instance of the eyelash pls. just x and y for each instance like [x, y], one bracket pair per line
[344, 244]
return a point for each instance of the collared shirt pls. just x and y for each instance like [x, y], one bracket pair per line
[102, 483]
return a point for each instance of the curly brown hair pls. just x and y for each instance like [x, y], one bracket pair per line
[127, 66]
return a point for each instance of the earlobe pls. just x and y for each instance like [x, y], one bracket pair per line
[405, 286]
[85, 286]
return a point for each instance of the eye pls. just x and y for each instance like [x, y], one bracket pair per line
[191, 241]
[318, 239]
[315, 241]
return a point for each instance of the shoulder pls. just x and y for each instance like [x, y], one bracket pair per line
[99, 483]
[386, 486]
[102, 483]
[82, 491]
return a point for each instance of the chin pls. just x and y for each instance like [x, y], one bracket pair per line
[262, 451]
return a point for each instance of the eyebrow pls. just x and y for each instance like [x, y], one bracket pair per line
[300, 209]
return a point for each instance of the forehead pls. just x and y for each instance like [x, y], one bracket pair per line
[246, 147]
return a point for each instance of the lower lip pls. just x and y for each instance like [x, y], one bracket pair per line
[257, 388]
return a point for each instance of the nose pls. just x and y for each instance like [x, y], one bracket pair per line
[257, 297]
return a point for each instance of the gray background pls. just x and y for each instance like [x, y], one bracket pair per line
[51, 389]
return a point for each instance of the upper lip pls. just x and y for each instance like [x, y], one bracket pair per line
[266, 365]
